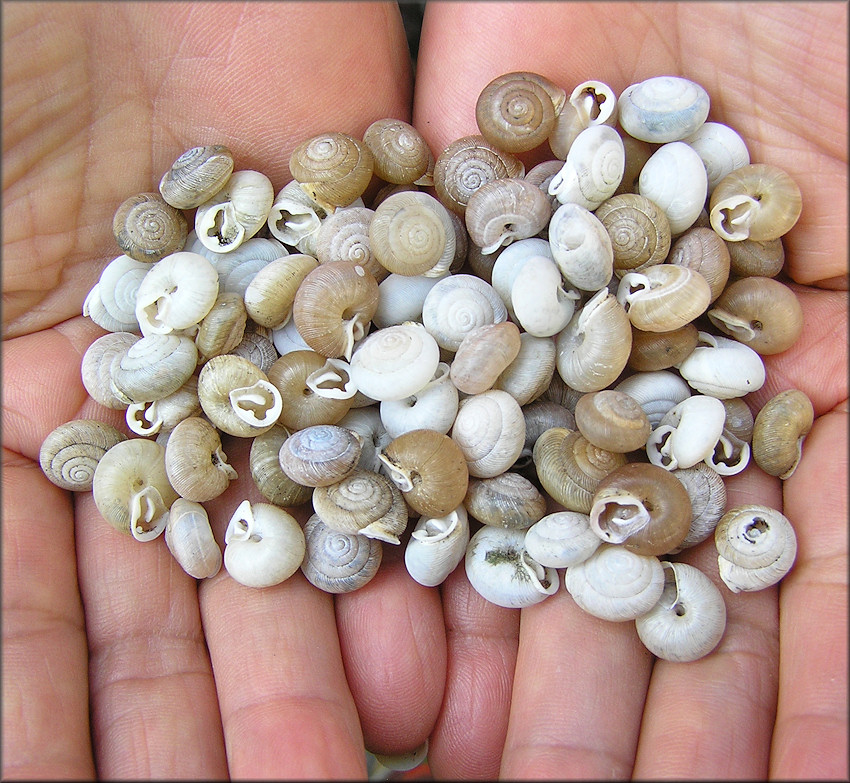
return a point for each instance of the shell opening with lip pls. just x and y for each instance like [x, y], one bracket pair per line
[332, 380]
[730, 456]
[436, 547]
[294, 215]
[258, 405]
[595, 103]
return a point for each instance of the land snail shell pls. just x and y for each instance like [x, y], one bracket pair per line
[468, 163]
[344, 236]
[118, 285]
[757, 201]
[96, 368]
[688, 433]
[223, 327]
[516, 111]
[540, 416]
[401, 298]
[689, 619]
[333, 169]
[294, 216]
[333, 307]
[539, 300]
[433, 407]
[363, 502]
[257, 348]
[411, 233]
[674, 179]
[333, 379]
[287, 339]
[779, 431]
[70, 453]
[530, 373]
[270, 295]
[639, 231]
[95, 309]
[723, 368]
[147, 229]
[612, 420]
[131, 488]
[400, 154]
[663, 297]
[642, 507]
[320, 455]
[268, 476]
[154, 367]
[581, 247]
[509, 263]
[590, 103]
[663, 109]
[756, 547]
[366, 422]
[615, 583]
[570, 468]
[721, 148]
[195, 461]
[248, 253]
[430, 470]
[483, 355]
[149, 418]
[237, 212]
[661, 350]
[592, 350]
[707, 491]
[749, 257]
[337, 562]
[490, 430]
[703, 251]
[263, 545]
[561, 539]
[507, 500]
[760, 312]
[456, 305]
[504, 210]
[196, 176]
[730, 456]
[237, 396]
[593, 169]
[500, 569]
[739, 419]
[656, 391]
[190, 539]
[542, 174]
[436, 547]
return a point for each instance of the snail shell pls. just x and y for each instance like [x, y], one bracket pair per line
[757, 201]
[271, 293]
[482, 356]
[131, 489]
[147, 229]
[689, 619]
[468, 163]
[363, 502]
[656, 392]
[400, 299]
[779, 431]
[94, 308]
[723, 368]
[344, 236]
[615, 583]
[748, 257]
[400, 154]
[739, 419]
[707, 492]
[436, 547]
[287, 339]
[561, 539]
[433, 407]
[263, 545]
[540, 416]
[154, 367]
[516, 111]
[591, 103]
[366, 422]
[223, 327]
[190, 539]
[581, 247]
[702, 250]
[612, 420]
[722, 150]
[730, 456]
[506, 500]
[529, 374]
[69, 454]
[264, 463]
[688, 433]
[639, 231]
[500, 569]
[760, 312]
[756, 547]
[674, 179]
[663, 297]
[538, 298]
[332, 379]
[195, 462]
[509, 263]
[237, 212]
[490, 430]
[663, 109]
[542, 175]
[237, 396]
[333, 307]
[196, 176]
[96, 368]
[295, 218]
[150, 418]
[430, 470]
[118, 286]
[642, 507]
[660, 350]
[338, 562]
[593, 169]
[320, 455]
[257, 349]
[333, 169]
[570, 467]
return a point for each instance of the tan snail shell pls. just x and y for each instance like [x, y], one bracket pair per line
[264, 463]
[612, 420]
[483, 355]
[707, 492]
[223, 327]
[319, 455]
[430, 470]
[270, 294]
[400, 154]
[516, 111]
[637, 154]
[530, 373]
[779, 430]
[661, 350]
[69, 454]
[663, 297]
[749, 257]
[333, 307]
[257, 348]
[507, 500]
[154, 367]
[195, 461]
[189, 538]
[757, 201]
[701, 250]
[332, 168]
[639, 231]
[196, 176]
[147, 229]
[760, 312]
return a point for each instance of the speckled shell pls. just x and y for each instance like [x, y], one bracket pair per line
[196, 176]
[663, 109]
[69, 454]
[337, 562]
[490, 430]
[147, 229]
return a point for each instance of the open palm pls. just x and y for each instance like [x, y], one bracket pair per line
[117, 663]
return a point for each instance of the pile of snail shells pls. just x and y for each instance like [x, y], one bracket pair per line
[478, 347]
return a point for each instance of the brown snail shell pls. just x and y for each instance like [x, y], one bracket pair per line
[637, 154]
[661, 350]
[195, 462]
[639, 231]
[223, 327]
[643, 507]
[69, 454]
[702, 250]
[196, 176]
[779, 430]
[264, 463]
[399, 152]
[760, 312]
[147, 228]
[612, 420]
[508, 500]
[739, 419]
[483, 354]
[270, 294]
[257, 348]
[320, 455]
[749, 257]
[663, 297]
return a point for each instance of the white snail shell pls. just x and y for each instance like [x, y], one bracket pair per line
[721, 148]
[539, 300]
[687, 433]
[490, 430]
[190, 539]
[674, 178]
[593, 169]
[561, 539]
[723, 368]
[433, 407]
[663, 108]
[436, 547]
[581, 247]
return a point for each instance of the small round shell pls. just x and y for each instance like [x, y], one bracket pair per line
[320, 455]
[539, 300]
[674, 179]
[270, 294]
[436, 547]
[707, 492]
[400, 154]
[581, 247]
[663, 109]
[663, 297]
[223, 327]
[561, 539]
[656, 392]
[337, 562]
[295, 218]
[721, 148]
[69, 454]
[779, 430]
[703, 251]
[687, 433]
[433, 407]
[490, 430]
[749, 257]
[529, 375]
[195, 461]
[96, 368]
[723, 368]
[190, 539]
[483, 355]
[147, 229]
[154, 367]
[344, 236]
[196, 176]
[506, 500]
[639, 231]
[264, 463]
[661, 350]
[612, 420]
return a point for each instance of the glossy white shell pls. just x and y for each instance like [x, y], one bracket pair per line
[433, 407]
[510, 262]
[687, 434]
[723, 368]
[674, 178]
[401, 298]
[436, 547]
[538, 298]
[663, 109]
[581, 247]
[593, 169]
[721, 149]
[561, 539]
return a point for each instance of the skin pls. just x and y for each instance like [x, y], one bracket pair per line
[116, 663]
